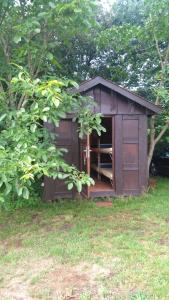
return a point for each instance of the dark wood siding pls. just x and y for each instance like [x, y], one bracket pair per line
[130, 154]
[67, 137]
[130, 143]
[109, 102]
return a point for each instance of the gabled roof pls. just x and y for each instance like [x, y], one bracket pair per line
[87, 85]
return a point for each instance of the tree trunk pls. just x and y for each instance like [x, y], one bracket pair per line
[150, 155]
[153, 139]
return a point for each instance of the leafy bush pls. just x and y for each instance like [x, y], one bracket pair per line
[27, 150]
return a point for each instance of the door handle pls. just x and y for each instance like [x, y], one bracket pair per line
[87, 151]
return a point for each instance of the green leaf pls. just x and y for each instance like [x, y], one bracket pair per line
[44, 118]
[17, 39]
[60, 175]
[19, 191]
[33, 127]
[37, 30]
[1, 183]
[70, 186]
[8, 188]
[51, 4]
[25, 193]
[74, 83]
[46, 108]
[79, 186]
[42, 14]
[55, 101]
[2, 117]
[49, 56]
[2, 200]
[44, 157]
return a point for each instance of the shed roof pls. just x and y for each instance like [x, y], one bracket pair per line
[87, 85]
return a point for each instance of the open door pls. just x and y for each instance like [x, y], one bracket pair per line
[85, 160]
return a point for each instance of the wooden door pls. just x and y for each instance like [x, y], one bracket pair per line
[85, 160]
[130, 154]
[67, 137]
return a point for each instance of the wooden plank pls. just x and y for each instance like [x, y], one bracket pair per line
[130, 149]
[104, 171]
[122, 91]
[143, 157]
[118, 155]
[97, 98]
[67, 137]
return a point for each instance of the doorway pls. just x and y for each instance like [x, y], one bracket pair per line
[102, 160]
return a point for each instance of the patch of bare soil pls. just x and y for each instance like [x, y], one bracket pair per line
[167, 220]
[46, 279]
[104, 204]
[66, 227]
[17, 281]
[12, 243]
[66, 282]
[164, 242]
[152, 183]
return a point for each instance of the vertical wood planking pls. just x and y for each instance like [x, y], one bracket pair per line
[97, 98]
[113, 151]
[118, 155]
[67, 138]
[143, 166]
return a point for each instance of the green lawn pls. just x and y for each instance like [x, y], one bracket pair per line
[76, 250]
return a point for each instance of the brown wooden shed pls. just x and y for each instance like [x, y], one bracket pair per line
[117, 160]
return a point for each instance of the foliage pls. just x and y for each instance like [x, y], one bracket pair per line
[88, 121]
[136, 53]
[45, 36]
[39, 35]
[27, 152]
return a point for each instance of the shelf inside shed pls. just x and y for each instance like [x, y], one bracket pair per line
[102, 158]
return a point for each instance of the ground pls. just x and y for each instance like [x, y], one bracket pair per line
[78, 250]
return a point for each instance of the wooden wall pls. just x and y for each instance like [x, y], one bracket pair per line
[109, 102]
[67, 137]
[130, 133]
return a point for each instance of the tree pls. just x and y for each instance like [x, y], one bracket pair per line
[40, 35]
[26, 148]
[31, 35]
[135, 52]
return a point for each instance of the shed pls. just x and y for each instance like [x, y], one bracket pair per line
[117, 160]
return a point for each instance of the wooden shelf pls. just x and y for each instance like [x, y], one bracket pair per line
[103, 171]
[102, 150]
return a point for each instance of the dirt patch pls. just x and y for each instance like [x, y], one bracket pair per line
[2, 226]
[66, 282]
[167, 220]
[163, 242]
[36, 218]
[46, 279]
[15, 290]
[17, 280]
[152, 183]
[12, 243]
[66, 227]
[104, 204]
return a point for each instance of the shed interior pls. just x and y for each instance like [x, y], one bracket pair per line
[102, 158]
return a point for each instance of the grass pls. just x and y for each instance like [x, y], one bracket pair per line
[76, 250]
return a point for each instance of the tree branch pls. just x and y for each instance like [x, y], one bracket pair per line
[166, 56]
[4, 14]
[158, 51]
[20, 101]
[164, 129]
